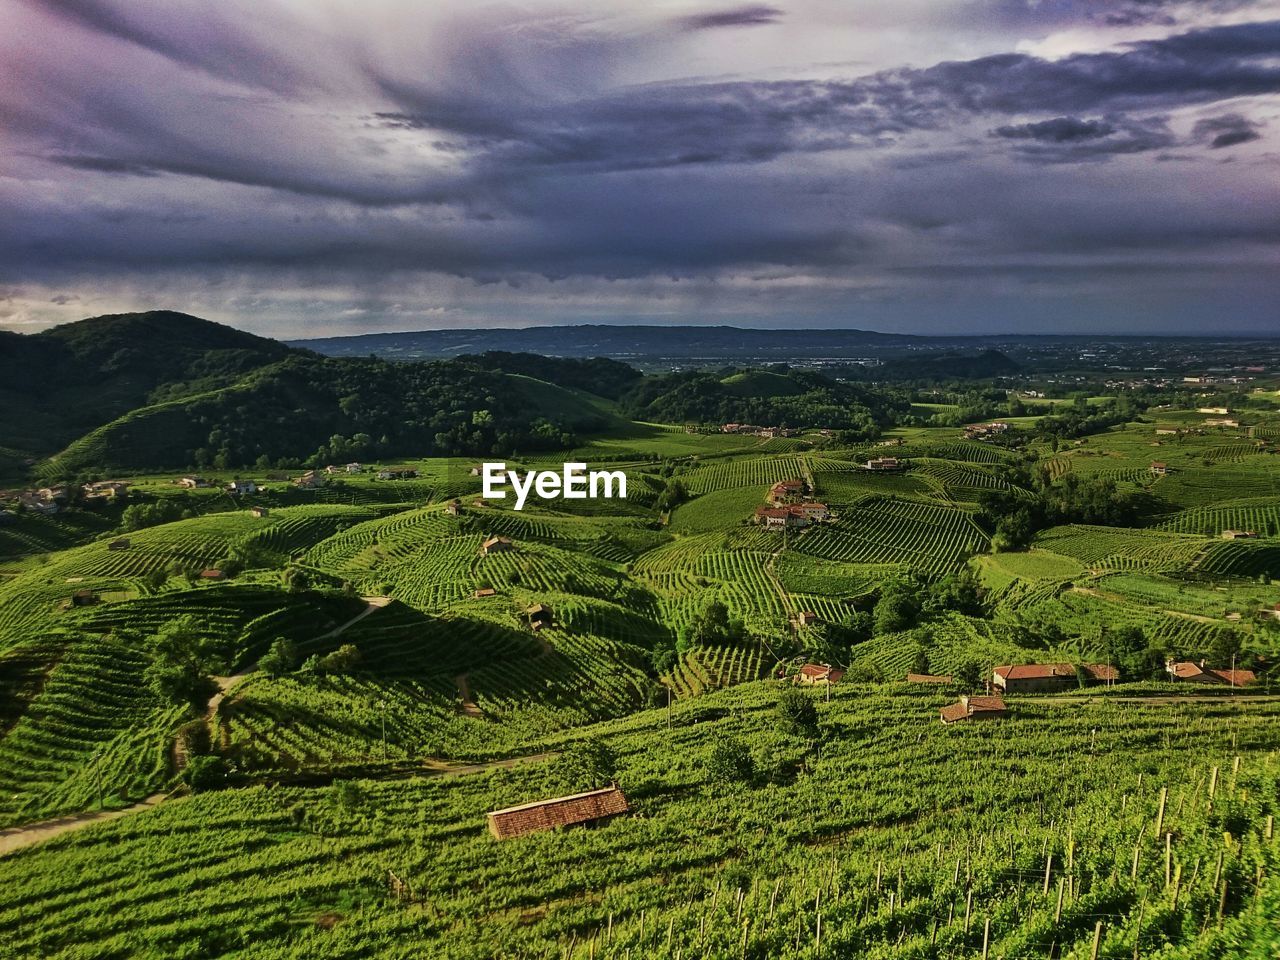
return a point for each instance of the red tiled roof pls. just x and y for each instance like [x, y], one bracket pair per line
[1034, 671]
[558, 812]
[985, 705]
[926, 678]
[1101, 671]
[1237, 678]
[954, 712]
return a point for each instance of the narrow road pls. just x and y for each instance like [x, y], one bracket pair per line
[14, 838]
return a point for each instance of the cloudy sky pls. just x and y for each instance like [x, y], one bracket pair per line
[317, 167]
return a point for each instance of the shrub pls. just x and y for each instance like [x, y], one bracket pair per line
[797, 713]
[730, 763]
[205, 773]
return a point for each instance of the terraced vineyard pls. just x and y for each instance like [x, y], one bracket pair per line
[364, 630]
[886, 531]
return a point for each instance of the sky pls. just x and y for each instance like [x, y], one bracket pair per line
[324, 167]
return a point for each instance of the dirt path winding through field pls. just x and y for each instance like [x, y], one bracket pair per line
[15, 838]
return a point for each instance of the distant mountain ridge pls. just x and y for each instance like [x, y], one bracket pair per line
[616, 342]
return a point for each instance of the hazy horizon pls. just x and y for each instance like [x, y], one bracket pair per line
[936, 167]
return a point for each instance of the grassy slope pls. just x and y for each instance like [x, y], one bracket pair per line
[892, 794]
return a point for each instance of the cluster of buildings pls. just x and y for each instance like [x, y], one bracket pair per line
[985, 431]
[750, 429]
[789, 509]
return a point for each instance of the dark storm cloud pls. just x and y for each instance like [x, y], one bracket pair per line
[675, 125]
[1057, 130]
[512, 154]
[1228, 130]
[1069, 139]
[749, 16]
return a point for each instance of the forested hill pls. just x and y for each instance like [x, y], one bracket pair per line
[777, 396]
[59, 384]
[310, 411]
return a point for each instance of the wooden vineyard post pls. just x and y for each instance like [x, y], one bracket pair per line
[1137, 931]
[1168, 858]
[817, 938]
[968, 911]
[1177, 885]
[1213, 783]
[1097, 940]
[986, 936]
[1270, 829]
[1137, 852]
[1048, 868]
[1164, 795]
[1057, 913]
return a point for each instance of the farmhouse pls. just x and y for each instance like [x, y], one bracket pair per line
[1199, 673]
[259, 511]
[241, 487]
[497, 545]
[1025, 678]
[1159, 468]
[786, 491]
[781, 518]
[1239, 535]
[353, 468]
[1167, 431]
[806, 618]
[974, 708]
[1222, 422]
[485, 592]
[813, 674]
[1221, 411]
[980, 431]
[937, 679]
[812, 511]
[119, 544]
[883, 464]
[192, 482]
[212, 573]
[309, 481]
[453, 507]
[589, 807]
[105, 490]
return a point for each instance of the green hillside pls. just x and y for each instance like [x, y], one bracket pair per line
[65, 381]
